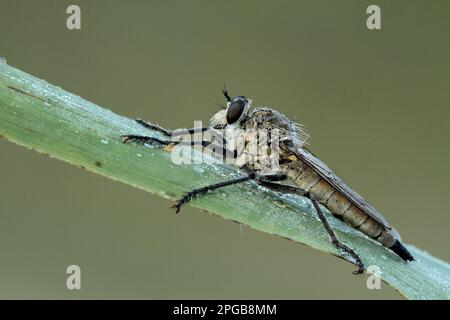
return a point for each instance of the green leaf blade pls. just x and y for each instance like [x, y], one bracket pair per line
[50, 120]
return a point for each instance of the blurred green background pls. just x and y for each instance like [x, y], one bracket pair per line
[376, 104]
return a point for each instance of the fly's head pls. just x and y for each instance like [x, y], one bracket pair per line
[235, 113]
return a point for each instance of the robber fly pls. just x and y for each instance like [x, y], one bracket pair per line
[300, 172]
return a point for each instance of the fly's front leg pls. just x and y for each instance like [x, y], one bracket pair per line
[204, 190]
[168, 133]
[127, 138]
[334, 240]
[218, 150]
[153, 126]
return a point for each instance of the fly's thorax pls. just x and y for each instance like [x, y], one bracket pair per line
[290, 133]
[265, 132]
[257, 148]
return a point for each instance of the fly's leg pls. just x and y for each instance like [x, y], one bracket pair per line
[218, 150]
[145, 139]
[168, 132]
[272, 177]
[204, 190]
[334, 240]
[176, 133]
[127, 138]
[153, 126]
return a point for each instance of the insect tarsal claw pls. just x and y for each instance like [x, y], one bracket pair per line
[176, 206]
[360, 270]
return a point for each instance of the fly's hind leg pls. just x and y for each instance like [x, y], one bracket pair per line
[334, 240]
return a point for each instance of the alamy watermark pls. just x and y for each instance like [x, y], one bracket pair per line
[73, 21]
[73, 281]
[373, 22]
[374, 280]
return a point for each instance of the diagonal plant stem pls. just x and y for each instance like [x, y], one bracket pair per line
[48, 119]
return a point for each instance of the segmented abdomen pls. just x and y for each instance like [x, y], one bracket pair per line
[307, 179]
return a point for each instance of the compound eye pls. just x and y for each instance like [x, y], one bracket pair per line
[235, 111]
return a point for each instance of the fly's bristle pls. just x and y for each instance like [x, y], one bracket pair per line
[219, 118]
[302, 134]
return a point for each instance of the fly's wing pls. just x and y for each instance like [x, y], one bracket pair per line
[327, 174]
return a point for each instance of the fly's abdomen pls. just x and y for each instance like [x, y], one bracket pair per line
[307, 179]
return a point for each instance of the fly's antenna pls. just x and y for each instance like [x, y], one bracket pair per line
[226, 94]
